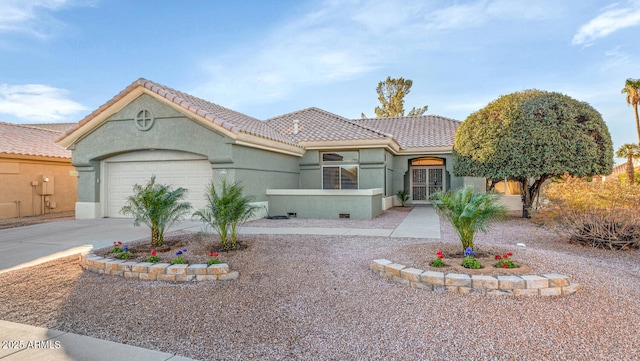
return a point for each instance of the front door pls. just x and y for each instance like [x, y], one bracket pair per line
[426, 181]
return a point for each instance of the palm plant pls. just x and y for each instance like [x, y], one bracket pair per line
[226, 210]
[157, 206]
[468, 211]
[632, 88]
[403, 196]
[631, 152]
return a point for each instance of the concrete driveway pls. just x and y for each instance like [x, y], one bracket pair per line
[26, 246]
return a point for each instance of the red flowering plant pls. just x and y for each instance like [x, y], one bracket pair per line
[154, 257]
[505, 261]
[214, 259]
[117, 247]
[438, 262]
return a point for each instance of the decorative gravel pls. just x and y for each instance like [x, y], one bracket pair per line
[314, 298]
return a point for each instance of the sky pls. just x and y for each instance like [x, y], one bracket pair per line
[62, 59]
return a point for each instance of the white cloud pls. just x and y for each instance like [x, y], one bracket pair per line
[609, 21]
[33, 16]
[322, 46]
[37, 102]
[339, 41]
[477, 13]
[616, 59]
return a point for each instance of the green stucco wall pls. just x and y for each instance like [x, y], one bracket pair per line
[401, 171]
[326, 203]
[257, 169]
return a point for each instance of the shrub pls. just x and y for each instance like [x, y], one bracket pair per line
[468, 211]
[180, 257]
[601, 214]
[622, 178]
[403, 197]
[156, 205]
[505, 261]
[438, 261]
[470, 261]
[226, 210]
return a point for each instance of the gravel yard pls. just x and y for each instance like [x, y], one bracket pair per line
[314, 298]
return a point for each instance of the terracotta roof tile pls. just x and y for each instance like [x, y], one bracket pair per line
[58, 127]
[313, 124]
[418, 131]
[318, 125]
[227, 118]
[25, 139]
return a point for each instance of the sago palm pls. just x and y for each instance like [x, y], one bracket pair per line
[157, 206]
[468, 211]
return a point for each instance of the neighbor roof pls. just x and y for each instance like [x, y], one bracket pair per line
[22, 139]
[58, 127]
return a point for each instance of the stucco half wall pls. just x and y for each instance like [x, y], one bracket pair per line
[326, 203]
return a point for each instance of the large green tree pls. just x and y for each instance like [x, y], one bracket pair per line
[632, 88]
[530, 137]
[391, 93]
[630, 152]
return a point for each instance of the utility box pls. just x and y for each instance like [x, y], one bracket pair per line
[45, 186]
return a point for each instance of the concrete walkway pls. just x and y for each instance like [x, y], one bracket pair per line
[31, 245]
[421, 222]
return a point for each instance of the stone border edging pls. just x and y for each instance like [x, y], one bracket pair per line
[546, 285]
[157, 271]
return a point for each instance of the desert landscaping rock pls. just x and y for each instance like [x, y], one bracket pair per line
[314, 298]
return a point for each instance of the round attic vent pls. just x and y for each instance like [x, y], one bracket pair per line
[144, 120]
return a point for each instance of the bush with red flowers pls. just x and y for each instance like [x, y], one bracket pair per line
[154, 257]
[214, 259]
[438, 262]
[505, 261]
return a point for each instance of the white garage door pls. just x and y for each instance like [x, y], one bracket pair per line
[193, 175]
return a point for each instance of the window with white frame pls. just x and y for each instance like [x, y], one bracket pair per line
[340, 170]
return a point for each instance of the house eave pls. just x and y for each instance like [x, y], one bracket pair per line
[252, 141]
[34, 158]
[425, 150]
[387, 143]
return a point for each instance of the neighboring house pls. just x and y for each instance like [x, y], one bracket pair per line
[621, 170]
[310, 163]
[36, 175]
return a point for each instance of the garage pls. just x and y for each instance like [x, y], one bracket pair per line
[178, 169]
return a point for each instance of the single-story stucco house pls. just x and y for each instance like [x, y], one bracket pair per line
[36, 175]
[309, 163]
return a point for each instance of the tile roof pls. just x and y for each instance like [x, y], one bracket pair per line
[418, 131]
[24, 139]
[314, 125]
[58, 127]
[622, 168]
[228, 119]
[319, 125]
